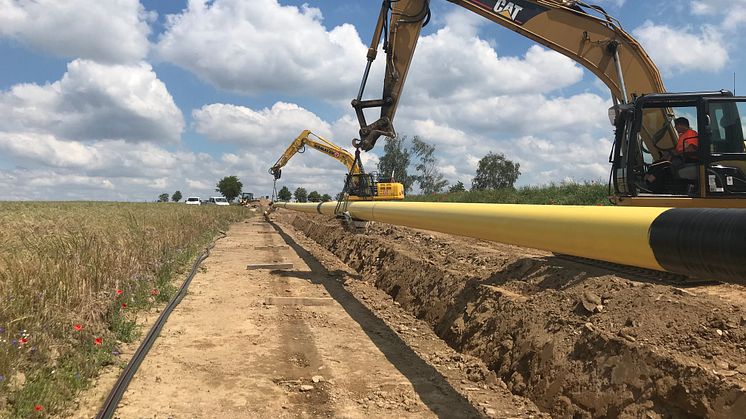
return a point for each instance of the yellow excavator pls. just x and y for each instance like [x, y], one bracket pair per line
[360, 186]
[643, 115]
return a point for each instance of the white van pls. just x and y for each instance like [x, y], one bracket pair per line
[219, 200]
[193, 200]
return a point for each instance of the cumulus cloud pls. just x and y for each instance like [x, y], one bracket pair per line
[450, 65]
[733, 12]
[682, 49]
[94, 134]
[114, 158]
[261, 46]
[108, 31]
[245, 126]
[95, 101]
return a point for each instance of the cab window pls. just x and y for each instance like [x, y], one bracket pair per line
[727, 127]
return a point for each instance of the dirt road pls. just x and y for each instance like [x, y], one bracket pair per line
[300, 343]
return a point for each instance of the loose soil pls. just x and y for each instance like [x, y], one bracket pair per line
[579, 341]
[315, 340]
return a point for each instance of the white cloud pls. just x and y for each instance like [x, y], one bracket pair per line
[109, 31]
[95, 101]
[113, 158]
[680, 49]
[733, 12]
[261, 46]
[247, 127]
[450, 65]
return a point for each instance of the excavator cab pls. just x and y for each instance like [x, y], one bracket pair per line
[645, 148]
[370, 186]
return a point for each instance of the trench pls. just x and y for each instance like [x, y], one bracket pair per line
[651, 351]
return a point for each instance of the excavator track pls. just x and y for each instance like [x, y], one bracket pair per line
[647, 275]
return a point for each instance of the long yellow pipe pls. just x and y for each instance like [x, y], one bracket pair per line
[663, 239]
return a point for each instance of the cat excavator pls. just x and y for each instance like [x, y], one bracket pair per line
[643, 113]
[359, 185]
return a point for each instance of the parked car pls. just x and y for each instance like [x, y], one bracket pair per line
[193, 200]
[219, 200]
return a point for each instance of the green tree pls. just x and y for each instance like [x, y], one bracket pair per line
[314, 196]
[395, 161]
[326, 197]
[176, 197]
[428, 175]
[458, 187]
[300, 195]
[229, 187]
[284, 194]
[495, 172]
[163, 197]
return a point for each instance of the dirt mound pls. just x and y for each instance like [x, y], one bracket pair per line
[577, 340]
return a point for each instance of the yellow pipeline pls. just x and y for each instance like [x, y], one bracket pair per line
[613, 234]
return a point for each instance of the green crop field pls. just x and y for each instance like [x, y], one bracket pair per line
[589, 193]
[72, 278]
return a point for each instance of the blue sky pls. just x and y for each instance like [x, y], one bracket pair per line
[124, 100]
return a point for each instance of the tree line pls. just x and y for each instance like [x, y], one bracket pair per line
[494, 170]
[301, 195]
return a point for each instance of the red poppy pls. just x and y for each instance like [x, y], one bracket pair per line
[98, 341]
[78, 327]
[38, 407]
[119, 292]
[154, 292]
[124, 305]
[23, 340]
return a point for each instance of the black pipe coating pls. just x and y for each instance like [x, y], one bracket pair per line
[706, 243]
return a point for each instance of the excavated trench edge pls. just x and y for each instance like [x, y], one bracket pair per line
[568, 370]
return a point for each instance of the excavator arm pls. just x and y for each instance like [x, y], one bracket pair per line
[584, 33]
[318, 143]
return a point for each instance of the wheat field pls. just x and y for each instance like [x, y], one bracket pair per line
[73, 276]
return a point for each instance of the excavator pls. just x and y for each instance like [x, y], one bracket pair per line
[643, 114]
[359, 185]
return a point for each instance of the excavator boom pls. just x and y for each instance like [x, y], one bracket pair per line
[584, 33]
[361, 186]
[308, 138]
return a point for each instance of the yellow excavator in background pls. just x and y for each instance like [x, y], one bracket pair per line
[360, 186]
[643, 112]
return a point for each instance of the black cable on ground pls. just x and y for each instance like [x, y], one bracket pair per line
[115, 396]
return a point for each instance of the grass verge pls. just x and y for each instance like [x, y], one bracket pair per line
[73, 277]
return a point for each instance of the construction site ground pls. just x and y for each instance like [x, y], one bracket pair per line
[406, 323]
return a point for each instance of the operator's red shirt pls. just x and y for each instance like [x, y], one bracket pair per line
[688, 137]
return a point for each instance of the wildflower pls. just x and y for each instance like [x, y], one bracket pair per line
[115, 352]
[2, 378]
[2, 330]
[120, 292]
[98, 341]
[154, 292]
[78, 327]
[124, 305]
[22, 341]
[38, 408]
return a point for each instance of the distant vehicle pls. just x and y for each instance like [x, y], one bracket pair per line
[193, 200]
[218, 200]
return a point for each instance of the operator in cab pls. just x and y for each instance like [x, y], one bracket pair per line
[688, 138]
[688, 142]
